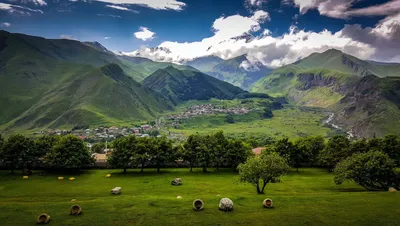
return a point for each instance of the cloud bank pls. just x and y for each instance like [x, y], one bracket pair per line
[144, 34]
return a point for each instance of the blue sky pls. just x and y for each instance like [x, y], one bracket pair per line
[192, 21]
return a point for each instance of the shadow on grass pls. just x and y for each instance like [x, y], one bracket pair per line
[171, 171]
[340, 189]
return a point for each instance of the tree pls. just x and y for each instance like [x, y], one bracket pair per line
[309, 149]
[69, 152]
[162, 153]
[267, 113]
[218, 143]
[205, 153]
[359, 146]
[190, 149]
[43, 145]
[122, 155]
[391, 146]
[229, 118]
[337, 149]
[98, 148]
[17, 149]
[261, 170]
[141, 154]
[237, 152]
[373, 170]
[286, 149]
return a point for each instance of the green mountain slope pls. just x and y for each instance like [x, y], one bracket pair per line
[67, 83]
[362, 94]
[229, 70]
[182, 85]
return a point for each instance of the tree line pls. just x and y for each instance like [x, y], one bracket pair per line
[372, 163]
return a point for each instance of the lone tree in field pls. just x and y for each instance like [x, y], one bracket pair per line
[373, 170]
[261, 170]
[69, 153]
[122, 155]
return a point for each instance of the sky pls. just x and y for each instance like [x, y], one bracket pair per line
[273, 32]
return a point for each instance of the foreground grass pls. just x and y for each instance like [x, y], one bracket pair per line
[308, 197]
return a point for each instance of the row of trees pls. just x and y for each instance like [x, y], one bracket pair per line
[57, 152]
[213, 150]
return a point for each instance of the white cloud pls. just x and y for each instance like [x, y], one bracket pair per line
[36, 2]
[231, 39]
[18, 9]
[343, 8]
[121, 8]
[110, 15]
[144, 34]
[5, 24]
[69, 37]
[254, 3]
[105, 38]
[155, 4]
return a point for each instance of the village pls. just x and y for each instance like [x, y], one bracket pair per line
[208, 109]
[105, 133]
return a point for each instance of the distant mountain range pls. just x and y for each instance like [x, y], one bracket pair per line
[56, 83]
[48, 83]
[364, 95]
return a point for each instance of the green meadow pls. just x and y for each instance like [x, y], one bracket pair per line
[307, 197]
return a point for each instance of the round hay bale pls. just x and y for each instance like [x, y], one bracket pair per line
[226, 204]
[73, 200]
[108, 175]
[25, 177]
[267, 203]
[198, 204]
[72, 178]
[392, 189]
[176, 182]
[61, 178]
[179, 197]
[75, 210]
[43, 218]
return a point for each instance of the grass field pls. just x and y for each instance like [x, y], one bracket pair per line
[288, 122]
[308, 197]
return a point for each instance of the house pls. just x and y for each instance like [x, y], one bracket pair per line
[257, 151]
[100, 157]
[146, 127]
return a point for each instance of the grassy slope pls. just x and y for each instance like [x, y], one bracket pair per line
[289, 122]
[183, 85]
[308, 197]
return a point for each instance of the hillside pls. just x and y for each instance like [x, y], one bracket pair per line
[182, 85]
[363, 94]
[231, 70]
[53, 83]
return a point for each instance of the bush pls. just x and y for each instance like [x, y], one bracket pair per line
[374, 170]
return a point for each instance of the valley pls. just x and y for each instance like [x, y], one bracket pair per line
[53, 85]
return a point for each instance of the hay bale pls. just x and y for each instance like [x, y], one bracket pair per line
[116, 190]
[61, 178]
[198, 204]
[176, 182]
[25, 177]
[392, 189]
[108, 175]
[179, 197]
[43, 218]
[72, 178]
[226, 204]
[267, 203]
[73, 200]
[75, 210]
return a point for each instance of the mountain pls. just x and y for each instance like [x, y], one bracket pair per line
[182, 85]
[48, 83]
[363, 94]
[237, 71]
